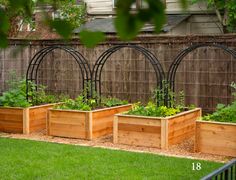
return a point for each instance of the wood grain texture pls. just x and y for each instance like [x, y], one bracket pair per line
[137, 131]
[115, 130]
[67, 124]
[139, 139]
[11, 120]
[83, 124]
[182, 127]
[164, 134]
[103, 120]
[216, 138]
[155, 132]
[38, 117]
[26, 121]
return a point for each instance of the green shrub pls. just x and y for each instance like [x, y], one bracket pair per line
[77, 104]
[16, 94]
[224, 113]
[83, 104]
[110, 102]
[175, 99]
[152, 110]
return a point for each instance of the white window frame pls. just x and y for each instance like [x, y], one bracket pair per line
[20, 25]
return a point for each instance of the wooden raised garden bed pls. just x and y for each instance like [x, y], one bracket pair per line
[155, 131]
[83, 124]
[23, 120]
[216, 138]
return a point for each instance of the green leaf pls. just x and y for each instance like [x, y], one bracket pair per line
[25, 5]
[129, 24]
[91, 39]
[63, 28]
[184, 4]
[4, 21]
[4, 27]
[3, 40]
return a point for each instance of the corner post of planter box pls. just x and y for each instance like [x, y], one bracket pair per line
[47, 122]
[196, 135]
[164, 133]
[197, 127]
[26, 121]
[115, 129]
[89, 125]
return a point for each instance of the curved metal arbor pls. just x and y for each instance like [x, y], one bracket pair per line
[98, 67]
[178, 59]
[32, 71]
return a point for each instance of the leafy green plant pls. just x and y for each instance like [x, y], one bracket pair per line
[84, 104]
[152, 110]
[225, 11]
[77, 104]
[233, 85]
[174, 99]
[158, 108]
[16, 94]
[14, 98]
[224, 113]
[110, 102]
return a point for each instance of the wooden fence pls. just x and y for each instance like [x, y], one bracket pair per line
[204, 75]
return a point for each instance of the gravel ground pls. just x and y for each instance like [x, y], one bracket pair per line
[184, 149]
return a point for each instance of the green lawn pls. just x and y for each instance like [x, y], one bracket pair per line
[24, 159]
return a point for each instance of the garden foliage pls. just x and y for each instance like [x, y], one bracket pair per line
[158, 108]
[151, 109]
[83, 104]
[16, 94]
[224, 113]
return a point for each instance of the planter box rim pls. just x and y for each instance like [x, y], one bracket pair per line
[43, 105]
[97, 110]
[2, 107]
[30, 107]
[217, 122]
[158, 118]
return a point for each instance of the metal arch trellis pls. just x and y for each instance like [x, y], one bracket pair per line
[98, 67]
[178, 59]
[32, 70]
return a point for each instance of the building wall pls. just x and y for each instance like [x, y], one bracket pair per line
[172, 7]
[198, 24]
[202, 21]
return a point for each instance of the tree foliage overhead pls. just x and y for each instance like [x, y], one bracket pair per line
[127, 23]
[225, 11]
[70, 16]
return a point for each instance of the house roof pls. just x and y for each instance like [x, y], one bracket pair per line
[106, 24]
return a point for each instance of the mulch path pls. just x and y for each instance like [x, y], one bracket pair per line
[184, 150]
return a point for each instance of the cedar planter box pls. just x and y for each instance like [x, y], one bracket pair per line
[83, 124]
[155, 131]
[216, 138]
[24, 120]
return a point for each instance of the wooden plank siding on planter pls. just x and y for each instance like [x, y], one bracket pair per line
[155, 131]
[23, 120]
[217, 138]
[83, 124]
